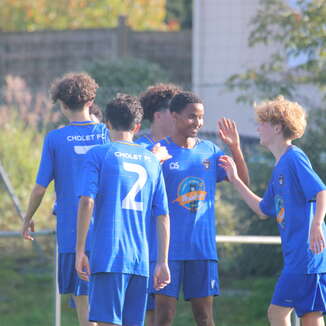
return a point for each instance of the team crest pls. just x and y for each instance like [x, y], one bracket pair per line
[281, 179]
[206, 163]
[191, 193]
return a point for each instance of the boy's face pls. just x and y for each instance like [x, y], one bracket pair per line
[267, 132]
[189, 121]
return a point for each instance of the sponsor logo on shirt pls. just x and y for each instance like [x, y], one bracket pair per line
[191, 193]
[279, 206]
[174, 166]
[82, 149]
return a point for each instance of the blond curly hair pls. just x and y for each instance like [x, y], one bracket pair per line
[290, 115]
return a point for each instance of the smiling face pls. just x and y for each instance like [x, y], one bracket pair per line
[189, 121]
[267, 132]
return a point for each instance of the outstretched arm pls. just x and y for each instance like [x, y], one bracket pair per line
[85, 211]
[228, 133]
[317, 240]
[252, 200]
[35, 200]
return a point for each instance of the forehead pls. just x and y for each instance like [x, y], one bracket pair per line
[193, 108]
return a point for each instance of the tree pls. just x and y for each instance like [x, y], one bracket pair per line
[296, 32]
[21, 15]
[179, 14]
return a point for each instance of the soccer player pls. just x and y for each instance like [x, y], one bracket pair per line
[155, 102]
[190, 177]
[63, 156]
[124, 182]
[296, 199]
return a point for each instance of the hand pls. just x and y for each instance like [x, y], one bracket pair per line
[161, 276]
[227, 163]
[317, 240]
[27, 228]
[228, 132]
[161, 152]
[82, 266]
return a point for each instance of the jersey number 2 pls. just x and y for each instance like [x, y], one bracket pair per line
[129, 201]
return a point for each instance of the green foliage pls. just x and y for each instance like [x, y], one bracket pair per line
[293, 31]
[179, 12]
[32, 15]
[129, 75]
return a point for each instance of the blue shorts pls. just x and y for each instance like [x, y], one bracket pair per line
[303, 292]
[199, 278]
[118, 298]
[68, 279]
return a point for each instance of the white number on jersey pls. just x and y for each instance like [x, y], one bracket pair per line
[129, 201]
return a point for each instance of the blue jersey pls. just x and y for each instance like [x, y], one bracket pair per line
[190, 177]
[127, 184]
[62, 159]
[146, 141]
[290, 198]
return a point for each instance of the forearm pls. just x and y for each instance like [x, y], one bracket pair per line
[85, 210]
[163, 232]
[320, 207]
[34, 202]
[240, 163]
[251, 199]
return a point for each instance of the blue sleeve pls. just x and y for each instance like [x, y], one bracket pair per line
[160, 199]
[90, 176]
[267, 204]
[307, 178]
[220, 172]
[46, 169]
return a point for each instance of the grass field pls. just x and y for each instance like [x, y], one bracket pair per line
[26, 296]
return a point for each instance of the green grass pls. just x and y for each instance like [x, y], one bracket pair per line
[26, 296]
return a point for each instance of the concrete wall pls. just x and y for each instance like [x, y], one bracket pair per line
[220, 49]
[39, 57]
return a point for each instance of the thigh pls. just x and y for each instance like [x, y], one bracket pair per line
[172, 289]
[106, 297]
[304, 292]
[134, 306]
[201, 279]
[68, 280]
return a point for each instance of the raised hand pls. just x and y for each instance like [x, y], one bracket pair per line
[228, 132]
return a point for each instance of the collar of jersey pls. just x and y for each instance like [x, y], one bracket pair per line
[170, 141]
[82, 123]
[124, 142]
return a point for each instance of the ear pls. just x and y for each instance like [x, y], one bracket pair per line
[136, 128]
[278, 128]
[89, 103]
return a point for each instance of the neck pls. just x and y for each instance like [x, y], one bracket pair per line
[80, 116]
[186, 142]
[117, 135]
[159, 132]
[278, 149]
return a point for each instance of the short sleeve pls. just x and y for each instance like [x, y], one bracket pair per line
[46, 169]
[90, 175]
[220, 172]
[307, 178]
[160, 200]
[267, 204]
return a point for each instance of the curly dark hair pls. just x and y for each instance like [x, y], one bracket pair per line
[97, 111]
[181, 100]
[124, 112]
[74, 90]
[156, 98]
